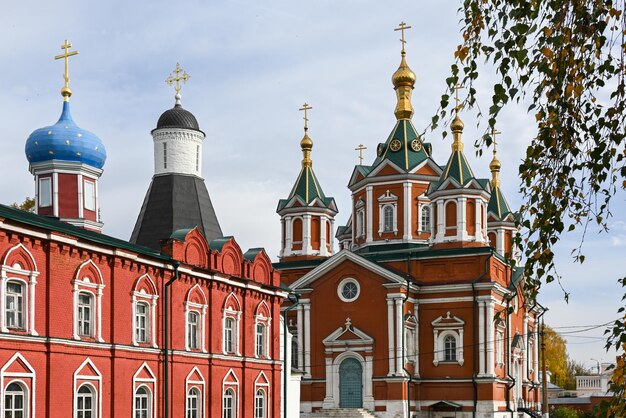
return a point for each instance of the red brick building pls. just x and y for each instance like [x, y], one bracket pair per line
[93, 326]
[400, 321]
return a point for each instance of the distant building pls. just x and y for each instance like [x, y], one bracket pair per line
[596, 384]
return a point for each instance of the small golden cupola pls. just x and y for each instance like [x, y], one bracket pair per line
[403, 82]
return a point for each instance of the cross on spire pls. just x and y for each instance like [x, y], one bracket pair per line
[65, 91]
[402, 27]
[458, 106]
[360, 148]
[305, 107]
[494, 132]
[178, 78]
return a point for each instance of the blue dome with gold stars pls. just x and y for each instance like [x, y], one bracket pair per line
[65, 141]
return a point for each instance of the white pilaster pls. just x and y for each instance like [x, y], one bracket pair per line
[525, 356]
[81, 203]
[461, 219]
[306, 235]
[134, 320]
[203, 329]
[441, 221]
[416, 364]
[55, 194]
[329, 401]
[491, 339]
[332, 236]
[399, 340]
[288, 235]
[369, 190]
[99, 313]
[500, 241]
[536, 350]
[408, 206]
[31, 305]
[3, 302]
[153, 313]
[481, 338]
[392, 368]
[300, 324]
[478, 228]
[368, 395]
[75, 309]
[307, 339]
[461, 348]
[323, 250]
[437, 355]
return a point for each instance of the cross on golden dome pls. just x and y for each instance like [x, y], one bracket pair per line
[458, 106]
[494, 132]
[360, 148]
[177, 78]
[305, 107]
[66, 92]
[402, 27]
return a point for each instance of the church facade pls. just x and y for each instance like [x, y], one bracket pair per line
[400, 321]
[177, 322]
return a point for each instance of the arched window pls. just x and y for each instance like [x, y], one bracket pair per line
[229, 334]
[425, 218]
[449, 348]
[259, 404]
[360, 223]
[260, 340]
[193, 403]
[229, 408]
[85, 314]
[142, 321]
[192, 330]
[450, 210]
[85, 403]
[15, 401]
[388, 219]
[294, 353]
[142, 403]
[14, 311]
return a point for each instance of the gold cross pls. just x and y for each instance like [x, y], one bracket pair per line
[403, 27]
[494, 132]
[171, 79]
[305, 107]
[65, 91]
[360, 148]
[458, 101]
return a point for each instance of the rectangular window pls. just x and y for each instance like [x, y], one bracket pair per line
[192, 330]
[229, 331]
[84, 315]
[45, 192]
[141, 323]
[164, 155]
[14, 306]
[90, 195]
[260, 340]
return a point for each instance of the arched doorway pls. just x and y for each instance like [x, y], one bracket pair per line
[350, 383]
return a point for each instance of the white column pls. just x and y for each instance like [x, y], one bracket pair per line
[399, 342]
[368, 392]
[461, 219]
[332, 236]
[306, 235]
[416, 365]
[491, 339]
[392, 368]
[408, 206]
[441, 221]
[55, 193]
[153, 315]
[307, 339]
[536, 354]
[187, 325]
[99, 313]
[74, 309]
[80, 202]
[323, 250]
[134, 320]
[2, 302]
[203, 330]
[461, 348]
[500, 241]
[436, 354]
[369, 190]
[526, 352]
[329, 401]
[97, 199]
[31, 304]
[300, 325]
[288, 236]
[478, 228]
[481, 338]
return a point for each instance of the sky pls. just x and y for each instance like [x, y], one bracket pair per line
[252, 64]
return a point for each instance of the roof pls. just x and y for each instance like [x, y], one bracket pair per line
[55, 225]
[443, 405]
[498, 204]
[251, 254]
[65, 141]
[307, 189]
[173, 202]
[457, 168]
[407, 150]
[177, 117]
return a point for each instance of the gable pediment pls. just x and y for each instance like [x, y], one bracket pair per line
[347, 335]
[448, 321]
[427, 168]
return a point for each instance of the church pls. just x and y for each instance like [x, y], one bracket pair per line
[177, 322]
[400, 321]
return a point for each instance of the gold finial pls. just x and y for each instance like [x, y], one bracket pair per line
[307, 143]
[495, 163]
[360, 148]
[177, 79]
[66, 92]
[457, 124]
[402, 27]
[403, 81]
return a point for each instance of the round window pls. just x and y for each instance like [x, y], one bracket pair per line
[348, 290]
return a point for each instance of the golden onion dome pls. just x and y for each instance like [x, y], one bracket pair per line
[495, 164]
[306, 143]
[403, 76]
[457, 124]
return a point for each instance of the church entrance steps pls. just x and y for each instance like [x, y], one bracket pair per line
[340, 413]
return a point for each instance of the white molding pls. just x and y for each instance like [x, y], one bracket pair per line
[89, 381]
[19, 377]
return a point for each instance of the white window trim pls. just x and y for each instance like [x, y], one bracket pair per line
[423, 204]
[150, 383]
[39, 193]
[151, 301]
[360, 223]
[266, 322]
[197, 384]
[6, 378]
[500, 347]
[88, 380]
[230, 385]
[89, 204]
[150, 403]
[385, 201]
[16, 272]
[84, 284]
[343, 283]
[265, 386]
[236, 315]
[201, 311]
[442, 327]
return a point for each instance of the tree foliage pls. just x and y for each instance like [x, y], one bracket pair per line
[28, 205]
[563, 369]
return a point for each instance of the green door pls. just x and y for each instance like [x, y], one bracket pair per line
[350, 384]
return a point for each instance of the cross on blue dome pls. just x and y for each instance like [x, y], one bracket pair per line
[65, 141]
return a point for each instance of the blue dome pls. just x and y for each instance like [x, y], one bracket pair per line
[67, 142]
